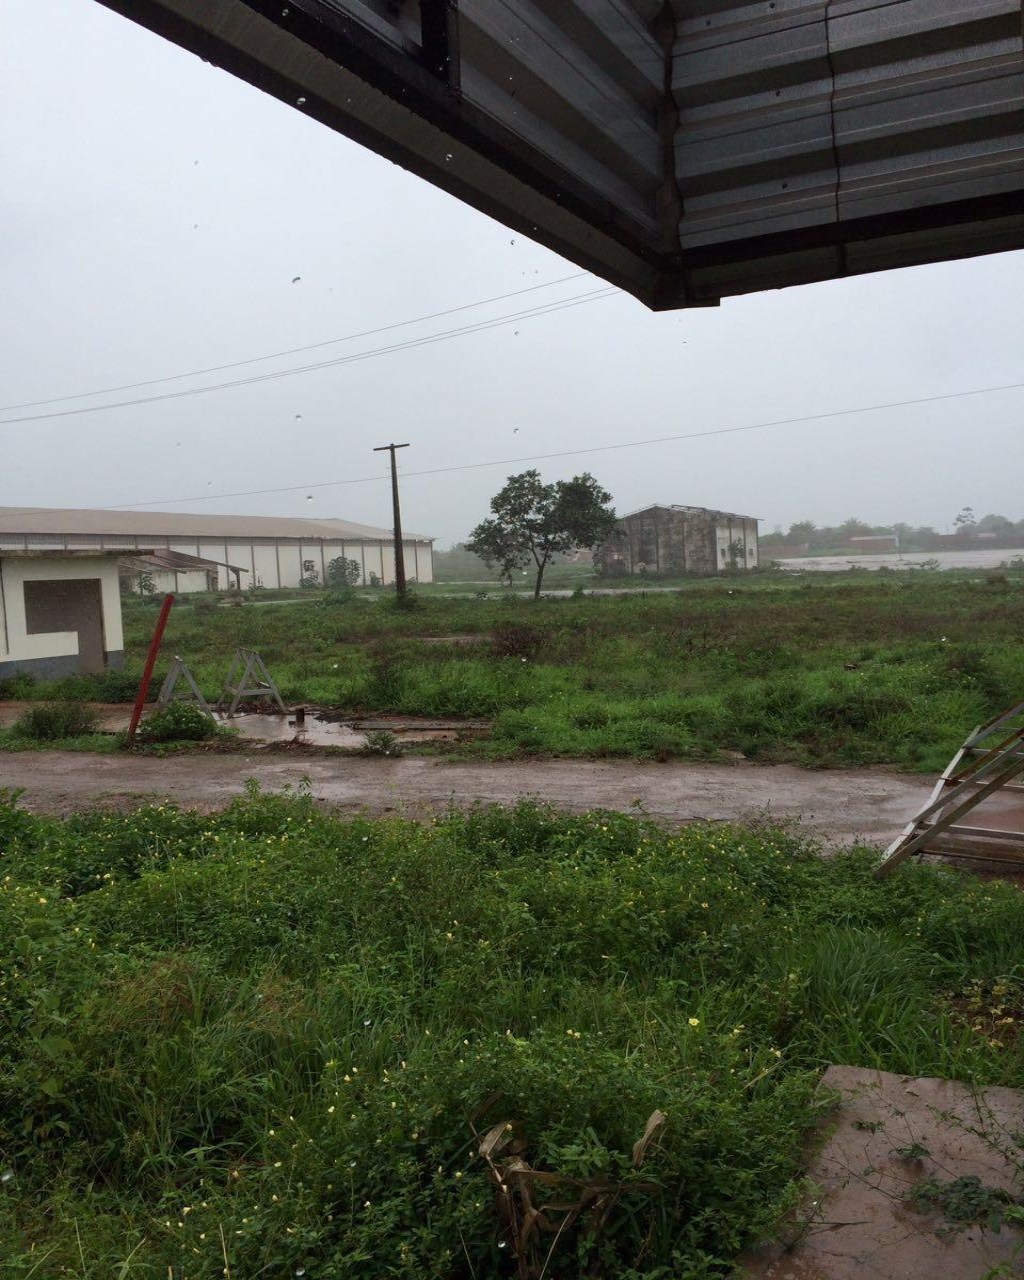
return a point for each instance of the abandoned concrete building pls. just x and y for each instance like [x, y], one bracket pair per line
[678, 539]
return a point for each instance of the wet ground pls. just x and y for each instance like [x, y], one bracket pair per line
[864, 804]
[312, 726]
[890, 1135]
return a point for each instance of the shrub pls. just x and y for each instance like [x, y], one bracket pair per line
[17, 686]
[343, 572]
[517, 640]
[52, 721]
[178, 722]
[381, 742]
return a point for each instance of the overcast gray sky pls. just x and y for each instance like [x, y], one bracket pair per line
[155, 212]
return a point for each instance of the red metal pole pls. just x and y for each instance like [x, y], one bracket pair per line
[147, 674]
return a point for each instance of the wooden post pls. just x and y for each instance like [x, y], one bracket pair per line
[397, 514]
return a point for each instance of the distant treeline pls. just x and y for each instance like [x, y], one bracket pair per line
[989, 530]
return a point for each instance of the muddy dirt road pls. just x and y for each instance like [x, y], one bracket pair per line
[863, 804]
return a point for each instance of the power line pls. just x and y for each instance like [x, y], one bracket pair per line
[292, 351]
[563, 453]
[444, 336]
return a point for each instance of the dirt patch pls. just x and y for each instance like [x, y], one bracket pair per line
[864, 804]
[913, 1184]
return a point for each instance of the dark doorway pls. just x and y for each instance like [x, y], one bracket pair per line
[69, 604]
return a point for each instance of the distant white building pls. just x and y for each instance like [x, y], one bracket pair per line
[261, 551]
[60, 613]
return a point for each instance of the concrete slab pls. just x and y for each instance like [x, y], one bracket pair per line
[893, 1134]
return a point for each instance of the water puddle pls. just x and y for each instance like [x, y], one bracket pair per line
[327, 729]
[317, 727]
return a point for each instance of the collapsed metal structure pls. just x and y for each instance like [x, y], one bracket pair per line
[686, 150]
[976, 811]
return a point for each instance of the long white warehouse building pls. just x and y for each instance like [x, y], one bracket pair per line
[261, 551]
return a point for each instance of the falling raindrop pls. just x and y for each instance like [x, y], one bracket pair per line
[300, 1271]
[284, 13]
[300, 102]
[296, 279]
[309, 497]
[209, 484]
[298, 416]
[515, 333]
[367, 1021]
[7, 1176]
[448, 156]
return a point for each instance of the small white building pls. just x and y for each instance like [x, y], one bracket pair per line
[60, 613]
[259, 551]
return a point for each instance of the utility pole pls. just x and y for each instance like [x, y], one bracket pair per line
[399, 554]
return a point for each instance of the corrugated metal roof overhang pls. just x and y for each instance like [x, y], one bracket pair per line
[685, 152]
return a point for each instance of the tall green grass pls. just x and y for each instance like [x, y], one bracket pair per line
[263, 1040]
[834, 673]
[837, 670]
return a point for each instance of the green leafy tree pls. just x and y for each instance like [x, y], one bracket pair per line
[532, 521]
[801, 532]
[342, 572]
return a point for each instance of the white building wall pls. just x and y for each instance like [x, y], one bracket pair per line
[272, 563]
[16, 645]
[291, 563]
[736, 531]
[750, 534]
[266, 566]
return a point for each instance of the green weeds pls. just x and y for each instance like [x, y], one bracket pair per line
[820, 670]
[829, 671]
[51, 721]
[273, 1040]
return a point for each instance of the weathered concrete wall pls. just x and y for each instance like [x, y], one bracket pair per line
[667, 540]
[56, 651]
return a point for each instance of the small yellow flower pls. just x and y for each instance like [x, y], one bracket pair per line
[695, 1022]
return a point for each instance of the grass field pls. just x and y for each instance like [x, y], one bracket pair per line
[849, 670]
[823, 670]
[258, 1044]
